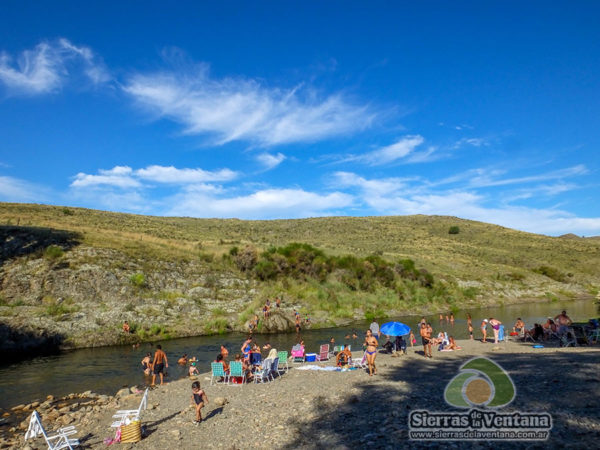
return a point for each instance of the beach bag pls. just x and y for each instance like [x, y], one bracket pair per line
[132, 432]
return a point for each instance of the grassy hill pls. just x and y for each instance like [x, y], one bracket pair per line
[184, 276]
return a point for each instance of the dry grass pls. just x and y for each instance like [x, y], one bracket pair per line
[480, 251]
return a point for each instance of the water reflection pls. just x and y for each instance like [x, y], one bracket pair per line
[107, 369]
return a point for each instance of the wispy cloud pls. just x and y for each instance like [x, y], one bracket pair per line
[400, 196]
[388, 154]
[235, 109]
[17, 190]
[473, 142]
[270, 161]
[126, 177]
[46, 67]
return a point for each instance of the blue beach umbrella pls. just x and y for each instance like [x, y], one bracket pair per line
[395, 329]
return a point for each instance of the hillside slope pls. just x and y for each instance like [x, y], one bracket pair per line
[71, 276]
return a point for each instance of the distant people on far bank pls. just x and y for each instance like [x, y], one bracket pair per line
[126, 328]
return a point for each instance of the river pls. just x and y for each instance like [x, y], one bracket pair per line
[106, 369]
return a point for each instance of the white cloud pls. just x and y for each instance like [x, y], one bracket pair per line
[172, 175]
[45, 68]
[262, 204]
[17, 190]
[404, 147]
[270, 161]
[118, 176]
[238, 109]
[400, 196]
[126, 177]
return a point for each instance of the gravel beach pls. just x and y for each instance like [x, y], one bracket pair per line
[318, 409]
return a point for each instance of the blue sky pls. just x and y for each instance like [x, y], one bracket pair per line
[482, 110]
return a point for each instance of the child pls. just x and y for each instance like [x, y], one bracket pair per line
[411, 338]
[193, 370]
[199, 400]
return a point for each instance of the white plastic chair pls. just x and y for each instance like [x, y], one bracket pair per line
[265, 373]
[127, 416]
[56, 441]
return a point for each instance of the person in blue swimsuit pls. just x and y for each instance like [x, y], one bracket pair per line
[246, 347]
[371, 344]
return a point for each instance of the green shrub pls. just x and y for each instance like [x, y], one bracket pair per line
[453, 230]
[246, 259]
[552, 273]
[138, 280]
[216, 326]
[67, 212]
[266, 270]
[53, 252]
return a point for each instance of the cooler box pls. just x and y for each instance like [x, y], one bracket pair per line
[311, 357]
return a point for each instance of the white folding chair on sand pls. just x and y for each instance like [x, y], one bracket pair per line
[125, 416]
[360, 364]
[56, 441]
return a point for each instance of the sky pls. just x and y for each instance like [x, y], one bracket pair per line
[487, 111]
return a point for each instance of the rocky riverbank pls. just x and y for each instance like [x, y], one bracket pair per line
[316, 409]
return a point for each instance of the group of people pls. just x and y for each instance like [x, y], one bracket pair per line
[551, 328]
[442, 341]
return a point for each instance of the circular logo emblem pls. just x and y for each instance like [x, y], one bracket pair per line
[480, 383]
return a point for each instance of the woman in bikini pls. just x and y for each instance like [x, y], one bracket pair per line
[495, 323]
[199, 400]
[371, 351]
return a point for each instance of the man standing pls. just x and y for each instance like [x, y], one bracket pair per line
[425, 339]
[374, 327]
[563, 321]
[160, 363]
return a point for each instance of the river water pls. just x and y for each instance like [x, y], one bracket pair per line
[107, 369]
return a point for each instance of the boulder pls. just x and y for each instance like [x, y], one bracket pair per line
[122, 392]
[220, 401]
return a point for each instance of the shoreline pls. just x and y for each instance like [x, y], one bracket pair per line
[126, 340]
[331, 405]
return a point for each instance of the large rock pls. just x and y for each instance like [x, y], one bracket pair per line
[277, 322]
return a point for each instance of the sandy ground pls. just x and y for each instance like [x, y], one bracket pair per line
[317, 409]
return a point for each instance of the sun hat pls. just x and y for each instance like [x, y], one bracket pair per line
[485, 320]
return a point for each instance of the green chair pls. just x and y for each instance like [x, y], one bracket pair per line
[283, 359]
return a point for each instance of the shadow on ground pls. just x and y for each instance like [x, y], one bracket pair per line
[375, 415]
[19, 343]
[18, 241]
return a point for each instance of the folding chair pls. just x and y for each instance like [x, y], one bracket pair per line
[54, 442]
[126, 416]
